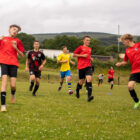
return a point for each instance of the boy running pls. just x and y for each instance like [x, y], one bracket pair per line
[10, 46]
[64, 60]
[34, 64]
[100, 77]
[132, 53]
[111, 77]
[83, 53]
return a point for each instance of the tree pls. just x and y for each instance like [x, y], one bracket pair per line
[27, 40]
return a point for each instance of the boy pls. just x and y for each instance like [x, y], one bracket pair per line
[111, 77]
[83, 53]
[132, 53]
[64, 60]
[10, 46]
[34, 64]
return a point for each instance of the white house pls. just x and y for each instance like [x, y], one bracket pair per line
[51, 53]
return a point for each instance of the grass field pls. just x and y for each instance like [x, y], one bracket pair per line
[53, 115]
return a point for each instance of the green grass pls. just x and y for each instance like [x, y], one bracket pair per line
[53, 115]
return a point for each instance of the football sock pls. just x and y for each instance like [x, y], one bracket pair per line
[3, 98]
[111, 86]
[69, 86]
[31, 85]
[35, 88]
[134, 95]
[89, 88]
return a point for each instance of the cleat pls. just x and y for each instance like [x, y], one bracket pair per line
[71, 92]
[136, 105]
[59, 88]
[3, 108]
[12, 99]
[90, 98]
[33, 94]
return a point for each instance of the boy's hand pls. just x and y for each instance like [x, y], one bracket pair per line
[14, 44]
[26, 69]
[1, 37]
[118, 64]
[65, 61]
[41, 67]
[85, 55]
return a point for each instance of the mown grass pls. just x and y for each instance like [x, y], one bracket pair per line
[53, 115]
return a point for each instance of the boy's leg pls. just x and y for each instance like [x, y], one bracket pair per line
[80, 82]
[69, 84]
[62, 75]
[79, 86]
[13, 88]
[36, 86]
[89, 87]
[3, 92]
[37, 78]
[112, 83]
[4, 71]
[32, 80]
[132, 91]
[68, 78]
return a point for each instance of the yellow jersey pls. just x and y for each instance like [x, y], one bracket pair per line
[64, 57]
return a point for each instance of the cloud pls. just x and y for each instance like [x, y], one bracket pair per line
[51, 16]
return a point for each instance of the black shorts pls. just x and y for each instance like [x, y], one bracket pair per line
[10, 70]
[135, 77]
[84, 72]
[100, 80]
[36, 73]
[110, 80]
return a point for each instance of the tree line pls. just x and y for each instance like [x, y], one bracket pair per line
[72, 43]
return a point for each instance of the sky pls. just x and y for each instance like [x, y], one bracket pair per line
[56, 16]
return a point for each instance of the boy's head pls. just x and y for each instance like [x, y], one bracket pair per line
[64, 49]
[86, 40]
[14, 29]
[126, 39]
[111, 68]
[36, 44]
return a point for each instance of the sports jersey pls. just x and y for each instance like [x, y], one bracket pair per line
[64, 57]
[111, 74]
[82, 61]
[133, 55]
[35, 60]
[8, 54]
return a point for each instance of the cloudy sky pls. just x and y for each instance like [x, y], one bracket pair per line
[55, 16]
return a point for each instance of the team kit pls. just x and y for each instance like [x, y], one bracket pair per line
[11, 47]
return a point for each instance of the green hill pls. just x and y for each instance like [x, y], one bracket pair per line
[105, 38]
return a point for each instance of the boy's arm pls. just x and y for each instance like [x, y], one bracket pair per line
[14, 44]
[42, 65]
[26, 65]
[72, 62]
[121, 63]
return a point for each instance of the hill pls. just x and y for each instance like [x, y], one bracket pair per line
[105, 38]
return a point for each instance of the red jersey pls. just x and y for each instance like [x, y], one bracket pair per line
[133, 55]
[83, 62]
[111, 74]
[8, 54]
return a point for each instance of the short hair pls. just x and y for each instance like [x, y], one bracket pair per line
[36, 41]
[64, 47]
[86, 37]
[17, 26]
[126, 37]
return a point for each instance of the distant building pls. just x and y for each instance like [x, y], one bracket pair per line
[51, 53]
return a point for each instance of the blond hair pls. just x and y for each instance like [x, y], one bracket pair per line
[126, 37]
